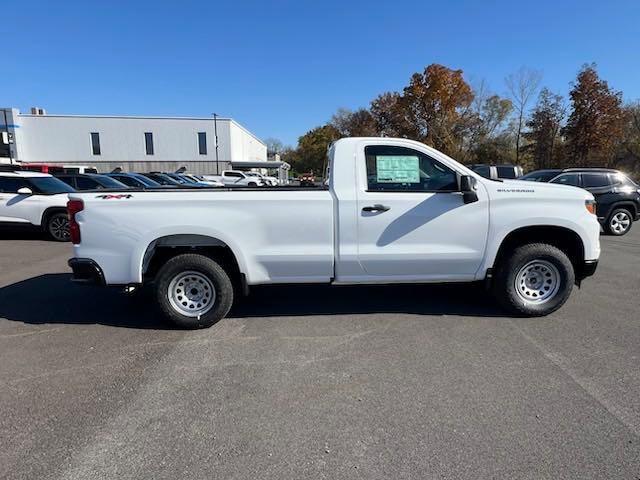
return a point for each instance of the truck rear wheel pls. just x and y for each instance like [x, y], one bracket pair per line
[193, 291]
[534, 280]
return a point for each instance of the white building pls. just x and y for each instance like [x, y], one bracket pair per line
[134, 143]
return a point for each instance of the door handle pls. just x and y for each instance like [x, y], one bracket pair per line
[376, 208]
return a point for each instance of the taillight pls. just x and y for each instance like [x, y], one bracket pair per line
[591, 206]
[73, 207]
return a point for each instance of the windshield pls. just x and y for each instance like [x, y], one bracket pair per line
[108, 182]
[163, 179]
[187, 179]
[49, 185]
[540, 176]
[144, 180]
[177, 178]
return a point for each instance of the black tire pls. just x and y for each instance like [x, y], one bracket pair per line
[252, 184]
[203, 267]
[515, 289]
[57, 226]
[615, 224]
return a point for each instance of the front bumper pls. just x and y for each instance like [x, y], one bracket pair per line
[86, 271]
[587, 269]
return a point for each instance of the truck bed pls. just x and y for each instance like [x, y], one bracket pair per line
[278, 234]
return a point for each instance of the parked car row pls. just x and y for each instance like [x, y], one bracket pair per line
[617, 196]
[495, 172]
[34, 198]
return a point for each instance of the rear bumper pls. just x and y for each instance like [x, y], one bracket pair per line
[86, 271]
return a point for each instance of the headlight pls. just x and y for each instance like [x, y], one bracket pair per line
[590, 206]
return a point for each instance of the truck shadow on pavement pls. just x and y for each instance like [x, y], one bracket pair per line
[53, 299]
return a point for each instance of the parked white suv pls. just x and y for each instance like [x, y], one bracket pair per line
[236, 178]
[268, 181]
[35, 199]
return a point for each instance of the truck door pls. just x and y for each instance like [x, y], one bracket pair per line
[413, 223]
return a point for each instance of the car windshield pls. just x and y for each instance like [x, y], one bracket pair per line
[186, 179]
[108, 182]
[539, 176]
[50, 185]
[178, 178]
[144, 180]
[163, 179]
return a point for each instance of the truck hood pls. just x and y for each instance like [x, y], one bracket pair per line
[543, 189]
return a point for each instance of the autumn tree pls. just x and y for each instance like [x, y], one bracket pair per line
[595, 126]
[274, 146]
[488, 141]
[544, 130]
[312, 149]
[354, 124]
[437, 103]
[628, 157]
[390, 116]
[522, 87]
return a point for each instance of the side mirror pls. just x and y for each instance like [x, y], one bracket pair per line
[25, 191]
[469, 188]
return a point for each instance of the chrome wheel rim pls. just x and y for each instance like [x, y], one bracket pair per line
[620, 222]
[191, 294]
[59, 227]
[537, 282]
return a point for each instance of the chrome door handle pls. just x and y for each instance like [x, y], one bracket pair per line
[376, 208]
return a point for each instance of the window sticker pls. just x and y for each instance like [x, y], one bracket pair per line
[397, 169]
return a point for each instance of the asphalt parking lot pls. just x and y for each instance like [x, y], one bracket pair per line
[315, 382]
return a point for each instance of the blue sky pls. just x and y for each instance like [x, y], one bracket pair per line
[283, 67]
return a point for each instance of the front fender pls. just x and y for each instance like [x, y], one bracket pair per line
[588, 230]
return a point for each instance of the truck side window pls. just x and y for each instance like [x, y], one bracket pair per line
[391, 168]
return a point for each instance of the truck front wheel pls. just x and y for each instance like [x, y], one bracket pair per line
[193, 291]
[534, 280]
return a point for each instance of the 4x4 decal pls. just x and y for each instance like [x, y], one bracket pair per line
[110, 196]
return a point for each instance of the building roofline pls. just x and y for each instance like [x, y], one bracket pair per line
[134, 117]
[146, 117]
[244, 129]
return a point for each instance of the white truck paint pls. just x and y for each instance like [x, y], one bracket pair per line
[292, 235]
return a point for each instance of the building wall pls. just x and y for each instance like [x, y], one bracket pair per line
[66, 139]
[244, 146]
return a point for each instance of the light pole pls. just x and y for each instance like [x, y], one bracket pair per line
[6, 128]
[215, 139]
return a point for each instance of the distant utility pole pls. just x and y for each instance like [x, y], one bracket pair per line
[215, 139]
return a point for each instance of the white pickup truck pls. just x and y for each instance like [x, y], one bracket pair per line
[394, 211]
